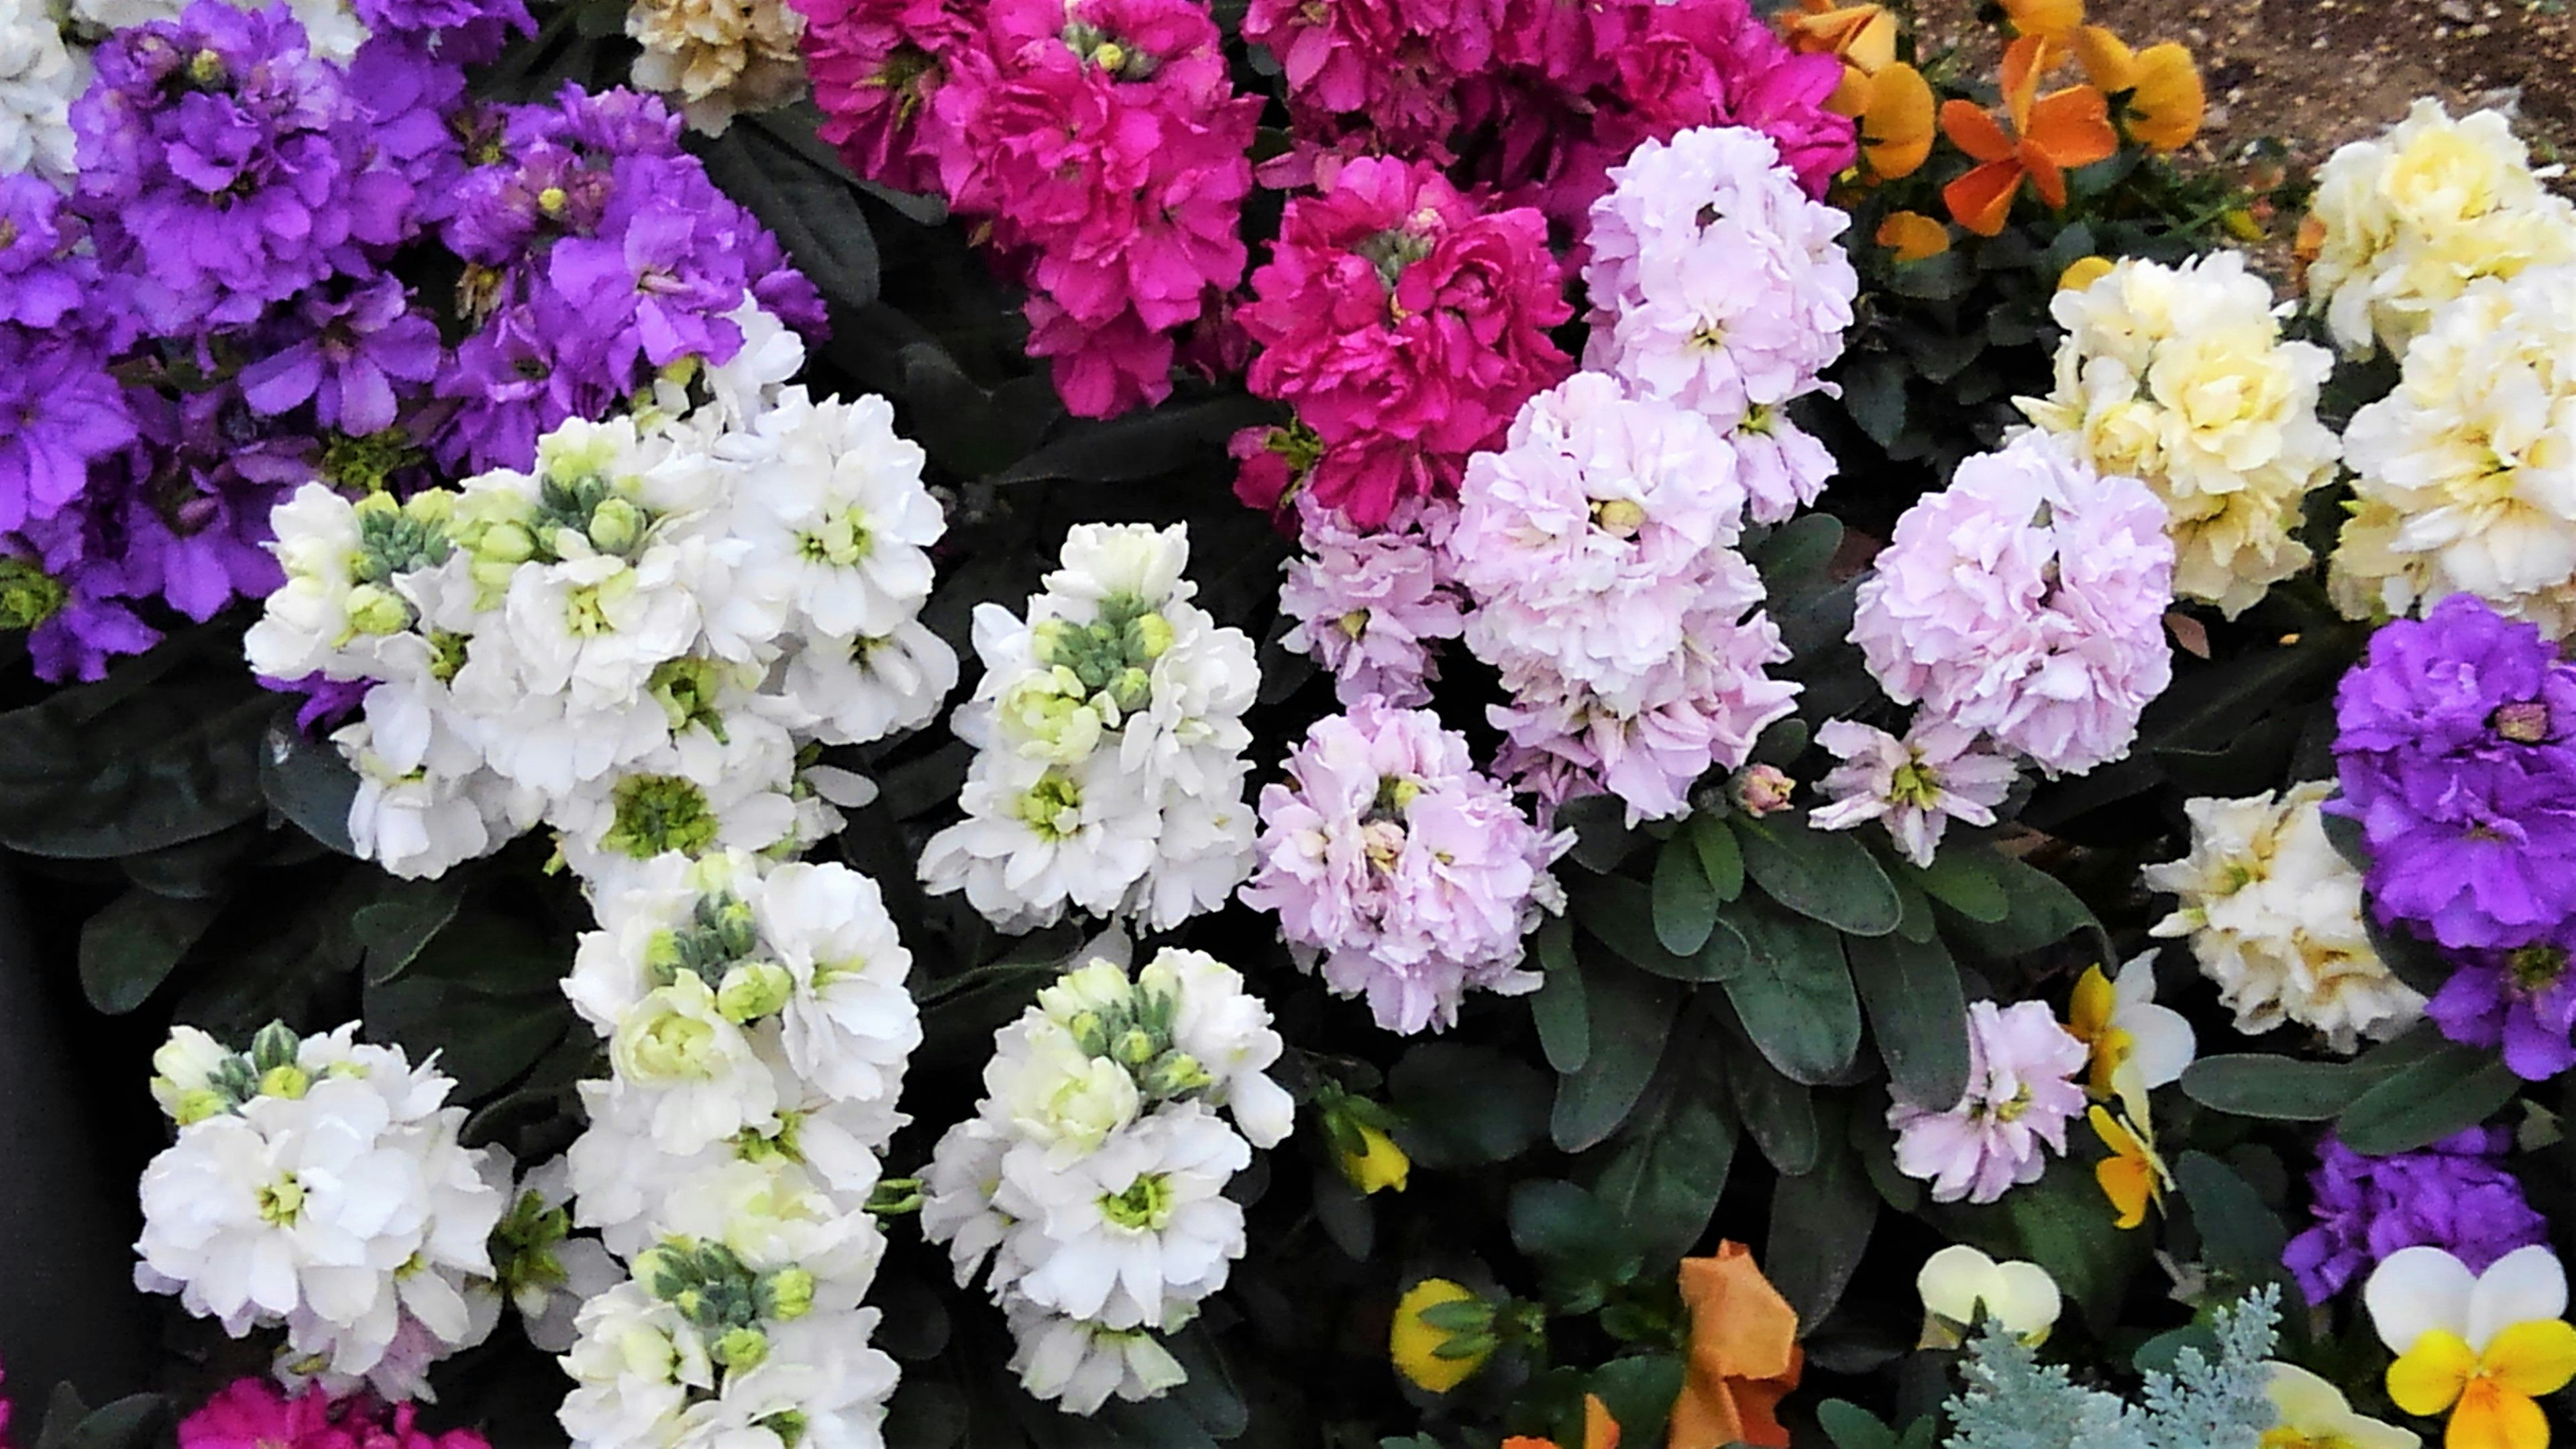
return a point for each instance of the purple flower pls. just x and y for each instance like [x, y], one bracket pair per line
[41, 278]
[194, 518]
[513, 386]
[657, 279]
[60, 411]
[480, 24]
[55, 584]
[2455, 1195]
[2456, 746]
[327, 701]
[2522, 1000]
[355, 344]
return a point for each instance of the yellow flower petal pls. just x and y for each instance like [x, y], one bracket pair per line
[1913, 236]
[2080, 274]
[2532, 1358]
[2089, 1007]
[2429, 1377]
[1415, 1346]
[2044, 17]
[1380, 1166]
[2492, 1416]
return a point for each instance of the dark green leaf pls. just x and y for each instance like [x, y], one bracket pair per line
[2039, 911]
[1874, 395]
[99, 770]
[1685, 907]
[2259, 1084]
[1720, 859]
[133, 1422]
[1465, 1105]
[128, 949]
[484, 994]
[1918, 1015]
[814, 209]
[403, 919]
[1639, 1391]
[1964, 879]
[2450, 1090]
[1140, 445]
[1622, 914]
[1577, 1242]
[1798, 549]
[1602, 835]
[1632, 1013]
[1795, 995]
[1826, 875]
[1779, 1113]
[2409, 957]
[1672, 1162]
[2063, 1224]
[2239, 1236]
[1564, 1024]
[1853, 1427]
[1820, 1226]
[308, 782]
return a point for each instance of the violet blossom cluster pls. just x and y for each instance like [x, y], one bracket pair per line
[1369, 606]
[2026, 601]
[1406, 323]
[2456, 1195]
[2456, 747]
[1407, 875]
[1099, 148]
[219, 312]
[1535, 101]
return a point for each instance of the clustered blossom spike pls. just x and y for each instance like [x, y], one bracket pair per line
[1091, 1181]
[1370, 606]
[1398, 870]
[1108, 775]
[2455, 1194]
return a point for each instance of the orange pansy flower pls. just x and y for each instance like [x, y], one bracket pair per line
[2163, 102]
[1896, 121]
[2044, 17]
[1862, 37]
[2050, 135]
[1744, 1355]
[1913, 236]
[1600, 1431]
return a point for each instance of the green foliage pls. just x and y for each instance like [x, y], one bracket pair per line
[2011, 1402]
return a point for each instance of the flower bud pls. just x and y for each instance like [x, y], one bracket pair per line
[616, 526]
[1442, 1334]
[1131, 689]
[1148, 637]
[1134, 1048]
[752, 990]
[375, 610]
[1175, 1074]
[646, 1354]
[741, 1349]
[1378, 1165]
[189, 1108]
[787, 1294]
[275, 1046]
[2525, 722]
[289, 1081]
[1763, 790]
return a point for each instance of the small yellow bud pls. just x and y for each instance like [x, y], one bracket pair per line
[288, 1081]
[1379, 1165]
[1416, 1346]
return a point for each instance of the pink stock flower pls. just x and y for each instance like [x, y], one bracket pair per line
[2021, 1094]
[1394, 315]
[1782, 468]
[2026, 601]
[1386, 65]
[1410, 875]
[254, 1413]
[875, 65]
[1914, 786]
[1369, 606]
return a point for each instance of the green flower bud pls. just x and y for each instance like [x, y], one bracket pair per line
[194, 1107]
[275, 1046]
[753, 990]
[1131, 689]
[1148, 636]
[1175, 1074]
[741, 1349]
[289, 1081]
[1134, 1048]
[617, 525]
[506, 543]
[787, 1294]
[377, 610]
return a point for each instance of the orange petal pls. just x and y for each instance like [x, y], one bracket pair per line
[1896, 130]
[1851, 94]
[1525, 1441]
[1741, 1330]
[2045, 177]
[2169, 103]
[1913, 236]
[2025, 61]
[1982, 199]
[1975, 132]
[2105, 58]
[2044, 17]
[1600, 1431]
[2072, 128]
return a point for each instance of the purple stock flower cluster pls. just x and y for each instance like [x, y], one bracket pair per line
[224, 307]
[2456, 746]
[2456, 1195]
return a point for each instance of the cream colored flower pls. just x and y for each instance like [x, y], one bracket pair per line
[2407, 222]
[1960, 1285]
[2469, 465]
[718, 57]
[2178, 376]
[2273, 914]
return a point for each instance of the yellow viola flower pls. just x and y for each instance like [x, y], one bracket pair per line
[2155, 93]
[2080, 274]
[2315, 1416]
[1436, 1345]
[2134, 1175]
[2119, 1019]
[1913, 236]
[1897, 121]
[2483, 1348]
[1960, 1285]
[1379, 1165]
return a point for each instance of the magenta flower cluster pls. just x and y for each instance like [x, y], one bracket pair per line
[1099, 148]
[253, 1413]
[2456, 1195]
[218, 312]
[1408, 875]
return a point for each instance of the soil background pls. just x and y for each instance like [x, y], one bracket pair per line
[2313, 74]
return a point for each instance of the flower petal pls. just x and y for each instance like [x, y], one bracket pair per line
[1982, 199]
[2520, 1287]
[1955, 1279]
[1972, 130]
[2430, 1377]
[2533, 1358]
[2416, 1291]
[2492, 1416]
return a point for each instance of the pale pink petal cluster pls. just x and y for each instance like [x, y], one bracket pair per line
[1598, 548]
[2026, 601]
[1915, 786]
[2021, 1094]
[1411, 876]
[1369, 607]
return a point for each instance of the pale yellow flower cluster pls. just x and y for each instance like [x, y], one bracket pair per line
[2273, 915]
[2178, 376]
[718, 58]
[2405, 223]
[2465, 474]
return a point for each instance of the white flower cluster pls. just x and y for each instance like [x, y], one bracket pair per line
[1109, 736]
[2465, 474]
[2407, 222]
[757, 1029]
[40, 76]
[718, 57]
[1093, 1175]
[633, 642]
[1720, 286]
[317, 1183]
[2273, 914]
[2178, 377]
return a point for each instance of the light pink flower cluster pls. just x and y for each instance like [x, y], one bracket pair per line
[1598, 548]
[1100, 143]
[1914, 786]
[1369, 605]
[1406, 324]
[2026, 601]
[1535, 99]
[253, 1413]
[2021, 1094]
[1717, 284]
[1412, 876]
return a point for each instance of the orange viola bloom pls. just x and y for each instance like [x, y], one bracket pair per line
[1862, 37]
[1912, 236]
[1744, 1355]
[2161, 100]
[1896, 121]
[2044, 17]
[2050, 135]
[1600, 1431]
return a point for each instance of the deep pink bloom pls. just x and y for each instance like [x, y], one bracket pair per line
[1393, 311]
[875, 65]
[253, 1413]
